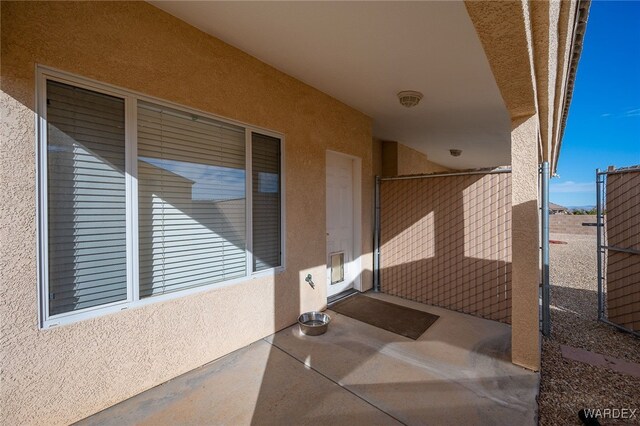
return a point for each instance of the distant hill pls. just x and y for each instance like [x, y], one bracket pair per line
[582, 209]
[572, 208]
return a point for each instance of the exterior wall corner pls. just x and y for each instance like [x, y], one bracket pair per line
[525, 335]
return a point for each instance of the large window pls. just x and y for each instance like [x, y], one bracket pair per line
[141, 200]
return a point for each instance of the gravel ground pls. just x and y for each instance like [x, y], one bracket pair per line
[568, 386]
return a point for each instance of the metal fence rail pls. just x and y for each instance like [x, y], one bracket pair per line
[618, 247]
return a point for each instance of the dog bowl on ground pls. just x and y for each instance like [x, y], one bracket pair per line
[314, 323]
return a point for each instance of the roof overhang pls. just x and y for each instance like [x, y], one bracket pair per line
[364, 53]
[482, 66]
[534, 67]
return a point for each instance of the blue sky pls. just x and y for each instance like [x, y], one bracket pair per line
[215, 183]
[603, 127]
[212, 183]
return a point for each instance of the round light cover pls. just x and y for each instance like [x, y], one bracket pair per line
[409, 98]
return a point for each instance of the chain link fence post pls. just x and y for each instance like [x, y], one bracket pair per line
[600, 179]
[544, 228]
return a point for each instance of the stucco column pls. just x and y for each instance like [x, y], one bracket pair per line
[525, 335]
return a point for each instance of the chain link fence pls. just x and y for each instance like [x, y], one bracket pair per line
[445, 240]
[618, 245]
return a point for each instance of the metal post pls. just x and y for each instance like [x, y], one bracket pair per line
[546, 314]
[376, 238]
[599, 213]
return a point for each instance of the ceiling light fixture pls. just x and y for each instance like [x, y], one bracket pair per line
[409, 98]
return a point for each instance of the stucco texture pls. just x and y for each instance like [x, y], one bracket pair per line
[400, 160]
[501, 28]
[64, 374]
[527, 45]
[525, 232]
[533, 77]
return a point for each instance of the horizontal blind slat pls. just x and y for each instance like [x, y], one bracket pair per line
[86, 198]
[265, 160]
[191, 200]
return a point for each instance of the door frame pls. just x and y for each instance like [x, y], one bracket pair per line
[356, 173]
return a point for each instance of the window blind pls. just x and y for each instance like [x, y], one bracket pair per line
[265, 160]
[191, 200]
[85, 198]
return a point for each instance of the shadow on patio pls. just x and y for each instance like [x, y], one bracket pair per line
[457, 372]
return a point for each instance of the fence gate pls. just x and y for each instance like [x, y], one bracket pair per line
[445, 240]
[618, 245]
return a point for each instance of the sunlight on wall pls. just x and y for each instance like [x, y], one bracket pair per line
[486, 207]
[308, 301]
[446, 241]
[413, 249]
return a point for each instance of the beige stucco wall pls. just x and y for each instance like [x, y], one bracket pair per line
[525, 236]
[400, 160]
[389, 158]
[63, 374]
[376, 156]
[533, 76]
[528, 45]
[502, 27]
[570, 224]
[412, 162]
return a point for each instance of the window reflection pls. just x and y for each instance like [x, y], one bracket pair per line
[268, 183]
[191, 200]
[207, 182]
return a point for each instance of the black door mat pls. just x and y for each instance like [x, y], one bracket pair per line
[397, 319]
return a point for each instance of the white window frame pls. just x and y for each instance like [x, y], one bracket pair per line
[43, 74]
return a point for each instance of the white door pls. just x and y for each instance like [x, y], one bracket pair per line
[340, 227]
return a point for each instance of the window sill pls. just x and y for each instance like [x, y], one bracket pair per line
[96, 312]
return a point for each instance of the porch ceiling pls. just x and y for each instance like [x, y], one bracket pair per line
[363, 53]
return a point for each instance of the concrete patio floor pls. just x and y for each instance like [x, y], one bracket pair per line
[457, 372]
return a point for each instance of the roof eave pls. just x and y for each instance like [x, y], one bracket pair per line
[579, 30]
